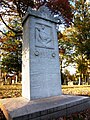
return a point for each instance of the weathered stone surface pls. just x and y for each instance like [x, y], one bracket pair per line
[43, 109]
[40, 56]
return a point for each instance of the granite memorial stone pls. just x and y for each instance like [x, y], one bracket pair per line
[40, 57]
[41, 74]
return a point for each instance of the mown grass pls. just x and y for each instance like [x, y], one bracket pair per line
[83, 90]
[9, 91]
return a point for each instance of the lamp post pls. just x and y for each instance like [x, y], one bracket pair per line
[61, 53]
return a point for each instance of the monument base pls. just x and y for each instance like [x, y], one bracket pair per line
[43, 109]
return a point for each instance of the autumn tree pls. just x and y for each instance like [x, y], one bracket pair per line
[10, 8]
[11, 14]
[11, 47]
[82, 24]
[76, 38]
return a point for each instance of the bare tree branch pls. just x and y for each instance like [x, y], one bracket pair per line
[3, 33]
[15, 31]
[6, 3]
[9, 14]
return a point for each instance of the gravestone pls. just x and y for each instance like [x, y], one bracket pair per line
[40, 56]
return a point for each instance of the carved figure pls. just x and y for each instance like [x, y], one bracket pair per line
[43, 36]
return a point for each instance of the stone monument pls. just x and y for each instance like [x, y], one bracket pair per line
[40, 57]
[41, 74]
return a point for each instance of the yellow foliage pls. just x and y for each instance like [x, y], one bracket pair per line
[3, 39]
[11, 34]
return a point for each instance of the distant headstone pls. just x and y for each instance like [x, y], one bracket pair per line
[40, 57]
[70, 83]
[1, 80]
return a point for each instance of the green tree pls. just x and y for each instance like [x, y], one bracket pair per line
[11, 46]
[82, 23]
[11, 50]
[76, 39]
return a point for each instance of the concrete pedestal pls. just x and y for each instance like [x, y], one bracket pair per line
[43, 109]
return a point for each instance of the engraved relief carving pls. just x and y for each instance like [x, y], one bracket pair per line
[36, 53]
[53, 55]
[44, 36]
[45, 11]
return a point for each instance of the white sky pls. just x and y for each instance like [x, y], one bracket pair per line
[71, 69]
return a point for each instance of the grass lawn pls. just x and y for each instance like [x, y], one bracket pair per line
[76, 90]
[9, 91]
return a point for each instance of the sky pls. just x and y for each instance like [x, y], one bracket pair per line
[71, 69]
